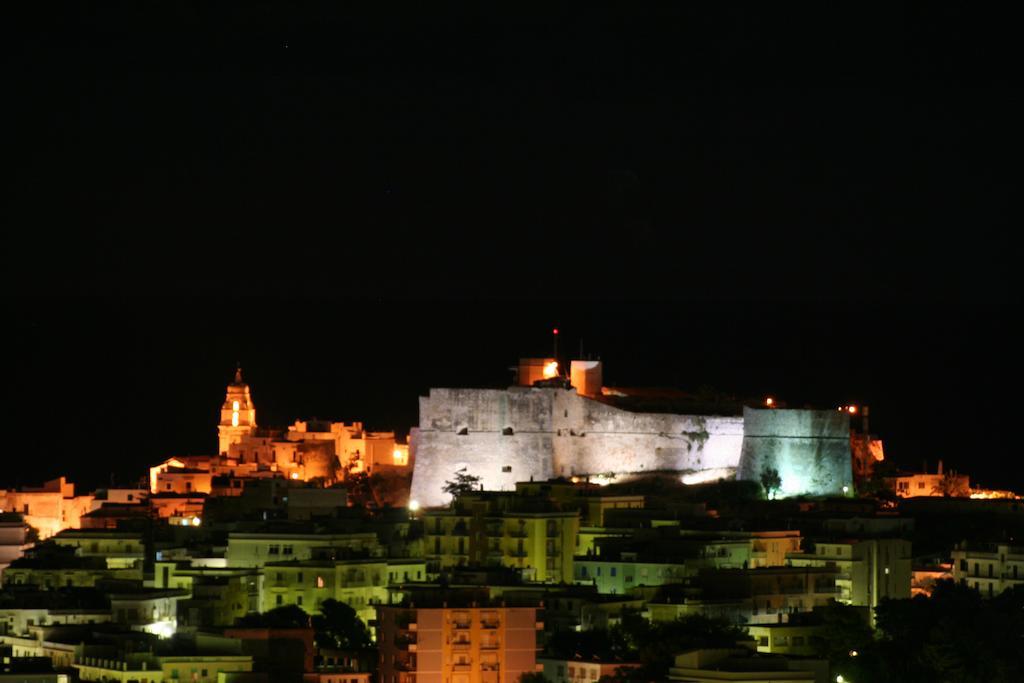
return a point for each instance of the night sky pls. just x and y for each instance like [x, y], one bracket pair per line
[359, 202]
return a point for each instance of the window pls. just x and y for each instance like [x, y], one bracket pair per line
[287, 550]
[280, 600]
[274, 550]
[319, 582]
[763, 641]
[300, 577]
[613, 570]
[298, 600]
[506, 468]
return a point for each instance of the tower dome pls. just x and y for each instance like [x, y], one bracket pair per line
[237, 414]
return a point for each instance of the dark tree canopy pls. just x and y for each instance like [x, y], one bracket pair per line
[653, 644]
[771, 481]
[955, 635]
[464, 482]
[285, 616]
[339, 627]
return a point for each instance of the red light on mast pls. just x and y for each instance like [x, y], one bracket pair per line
[554, 331]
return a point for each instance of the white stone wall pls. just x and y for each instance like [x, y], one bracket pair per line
[524, 432]
[809, 448]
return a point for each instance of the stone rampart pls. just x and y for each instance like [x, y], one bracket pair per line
[523, 433]
[809, 448]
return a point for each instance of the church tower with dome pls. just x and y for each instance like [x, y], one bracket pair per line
[237, 415]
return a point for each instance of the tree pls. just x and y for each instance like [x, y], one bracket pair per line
[285, 616]
[464, 482]
[952, 485]
[339, 627]
[955, 635]
[653, 644]
[844, 629]
[770, 481]
[879, 485]
[533, 677]
[362, 489]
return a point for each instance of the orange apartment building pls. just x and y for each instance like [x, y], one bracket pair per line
[476, 643]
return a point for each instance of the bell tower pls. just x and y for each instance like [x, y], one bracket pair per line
[237, 415]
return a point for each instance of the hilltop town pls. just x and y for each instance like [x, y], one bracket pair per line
[556, 530]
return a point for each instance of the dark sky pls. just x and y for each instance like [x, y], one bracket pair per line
[360, 201]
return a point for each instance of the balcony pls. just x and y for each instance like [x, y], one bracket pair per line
[490, 625]
[491, 645]
[406, 642]
[405, 663]
[553, 532]
[461, 645]
[518, 533]
[406, 621]
[518, 553]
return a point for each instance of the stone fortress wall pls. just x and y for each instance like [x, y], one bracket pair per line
[515, 434]
[809, 448]
[519, 433]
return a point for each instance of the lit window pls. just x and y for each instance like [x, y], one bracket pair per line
[319, 582]
[234, 406]
[234, 419]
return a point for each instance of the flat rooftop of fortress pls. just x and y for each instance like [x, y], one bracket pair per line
[647, 400]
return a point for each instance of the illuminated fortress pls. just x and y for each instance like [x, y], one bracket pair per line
[550, 427]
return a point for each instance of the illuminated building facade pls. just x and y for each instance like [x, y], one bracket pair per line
[991, 568]
[359, 583]
[456, 644]
[870, 569]
[929, 484]
[503, 530]
[237, 414]
[49, 508]
[551, 429]
[257, 549]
